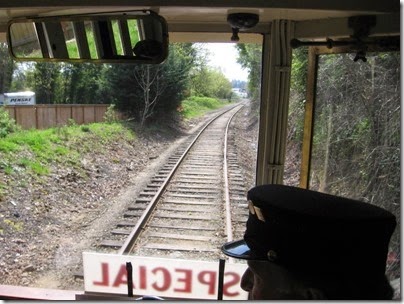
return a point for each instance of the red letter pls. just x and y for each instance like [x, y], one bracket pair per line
[121, 277]
[187, 279]
[211, 280]
[166, 279]
[105, 275]
[142, 277]
[235, 280]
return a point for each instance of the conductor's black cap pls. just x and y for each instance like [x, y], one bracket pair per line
[305, 230]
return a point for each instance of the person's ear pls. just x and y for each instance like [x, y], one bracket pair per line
[313, 294]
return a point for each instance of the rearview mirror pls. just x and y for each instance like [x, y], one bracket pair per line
[139, 36]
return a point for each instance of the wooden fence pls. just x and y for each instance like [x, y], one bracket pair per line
[44, 116]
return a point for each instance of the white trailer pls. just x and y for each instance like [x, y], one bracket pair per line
[18, 98]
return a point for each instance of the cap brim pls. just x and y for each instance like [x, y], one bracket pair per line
[237, 249]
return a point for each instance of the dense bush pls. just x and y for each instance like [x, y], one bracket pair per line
[357, 131]
[7, 124]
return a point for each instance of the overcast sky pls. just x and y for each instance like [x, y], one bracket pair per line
[224, 55]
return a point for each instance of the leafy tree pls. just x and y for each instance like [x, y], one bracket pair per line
[7, 124]
[297, 98]
[44, 80]
[250, 57]
[357, 131]
[127, 87]
[7, 67]
[19, 81]
[206, 80]
[200, 82]
[210, 82]
[221, 85]
[177, 70]
[146, 92]
[81, 83]
[298, 77]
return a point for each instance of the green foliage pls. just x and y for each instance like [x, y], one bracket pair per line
[54, 83]
[297, 98]
[177, 69]
[71, 122]
[109, 132]
[61, 151]
[357, 142]
[35, 166]
[361, 129]
[298, 77]
[130, 86]
[85, 128]
[7, 124]
[209, 82]
[147, 93]
[196, 106]
[44, 81]
[249, 57]
[7, 67]
[8, 147]
[111, 115]
[63, 132]
[83, 81]
[8, 170]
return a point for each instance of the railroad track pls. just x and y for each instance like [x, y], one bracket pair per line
[194, 204]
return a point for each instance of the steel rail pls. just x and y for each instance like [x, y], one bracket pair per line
[229, 230]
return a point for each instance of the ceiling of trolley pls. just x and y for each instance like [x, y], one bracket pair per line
[209, 16]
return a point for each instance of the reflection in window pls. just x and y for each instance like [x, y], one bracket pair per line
[91, 40]
[70, 39]
[133, 32]
[25, 41]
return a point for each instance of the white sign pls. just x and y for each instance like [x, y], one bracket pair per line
[171, 278]
[19, 98]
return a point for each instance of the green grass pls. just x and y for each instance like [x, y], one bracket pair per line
[35, 150]
[35, 166]
[6, 146]
[8, 170]
[196, 106]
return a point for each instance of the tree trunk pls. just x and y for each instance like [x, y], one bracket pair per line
[324, 178]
